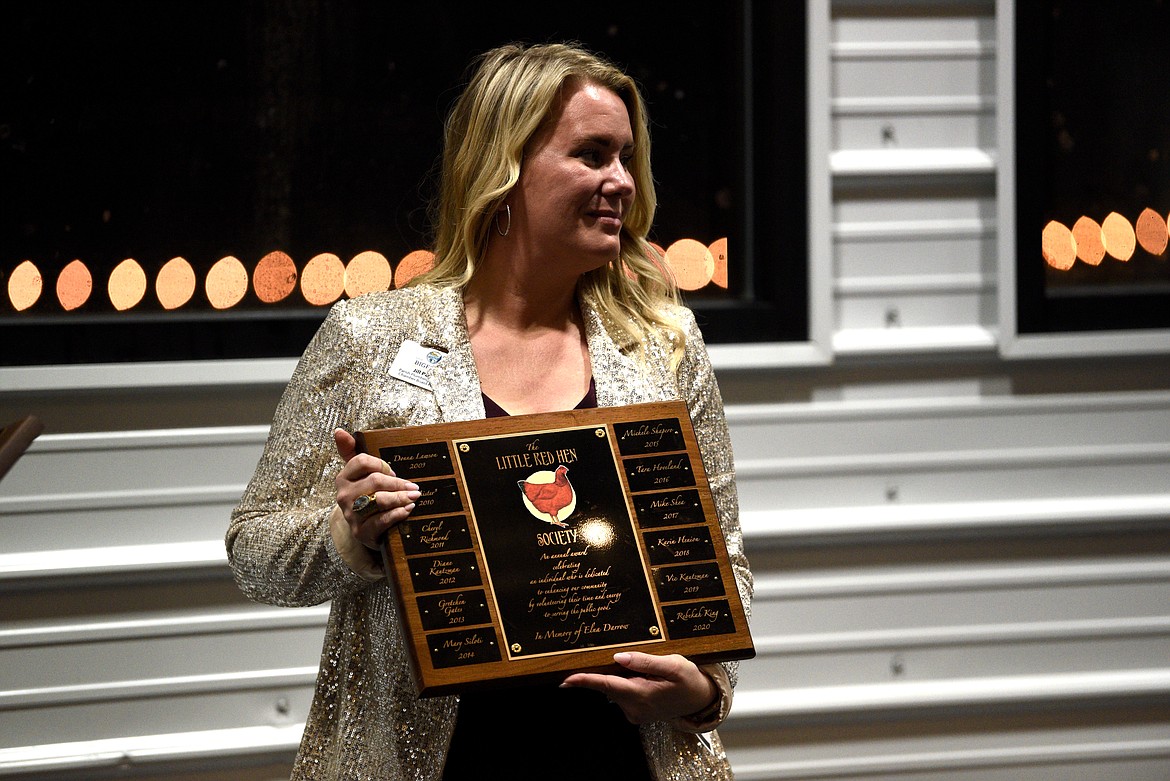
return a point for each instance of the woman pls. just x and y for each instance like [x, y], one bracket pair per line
[544, 297]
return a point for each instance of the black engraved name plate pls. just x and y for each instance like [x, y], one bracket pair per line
[699, 619]
[649, 436]
[543, 544]
[669, 508]
[414, 462]
[438, 497]
[658, 472]
[678, 546]
[694, 581]
[454, 609]
[455, 570]
[465, 647]
[435, 535]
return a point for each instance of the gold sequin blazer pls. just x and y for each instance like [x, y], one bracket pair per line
[365, 721]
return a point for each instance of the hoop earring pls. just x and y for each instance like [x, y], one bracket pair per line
[504, 232]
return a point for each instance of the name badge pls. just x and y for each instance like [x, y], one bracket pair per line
[414, 362]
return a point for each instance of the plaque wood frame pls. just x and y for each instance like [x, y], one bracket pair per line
[496, 584]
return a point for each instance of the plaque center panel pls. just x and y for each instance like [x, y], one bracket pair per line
[560, 548]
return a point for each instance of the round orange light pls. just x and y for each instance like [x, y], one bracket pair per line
[175, 283]
[275, 277]
[367, 272]
[127, 285]
[412, 264]
[1118, 236]
[226, 283]
[1058, 246]
[74, 284]
[691, 263]
[24, 286]
[718, 250]
[323, 280]
[1152, 232]
[1090, 246]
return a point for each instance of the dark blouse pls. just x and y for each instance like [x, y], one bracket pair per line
[543, 732]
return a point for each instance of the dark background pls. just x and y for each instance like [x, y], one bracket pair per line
[203, 129]
[1092, 137]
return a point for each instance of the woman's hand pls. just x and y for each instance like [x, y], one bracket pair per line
[660, 688]
[365, 475]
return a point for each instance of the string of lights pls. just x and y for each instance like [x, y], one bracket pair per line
[275, 278]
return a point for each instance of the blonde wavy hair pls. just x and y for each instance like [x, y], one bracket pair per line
[512, 93]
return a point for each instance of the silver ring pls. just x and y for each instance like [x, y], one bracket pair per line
[364, 505]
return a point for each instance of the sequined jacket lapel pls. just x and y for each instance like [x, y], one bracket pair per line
[454, 381]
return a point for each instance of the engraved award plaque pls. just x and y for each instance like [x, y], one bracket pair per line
[543, 544]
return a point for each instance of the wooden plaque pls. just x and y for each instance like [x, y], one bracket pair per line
[543, 544]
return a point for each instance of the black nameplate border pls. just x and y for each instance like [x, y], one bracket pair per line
[454, 609]
[455, 649]
[669, 508]
[649, 436]
[659, 472]
[679, 546]
[415, 462]
[692, 581]
[441, 534]
[699, 619]
[439, 497]
[449, 571]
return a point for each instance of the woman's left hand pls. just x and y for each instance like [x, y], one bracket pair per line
[660, 688]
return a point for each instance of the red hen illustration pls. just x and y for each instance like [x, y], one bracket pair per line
[550, 498]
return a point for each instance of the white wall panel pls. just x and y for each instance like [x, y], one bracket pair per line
[65, 734]
[1019, 751]
[891, 23]
[878, 610]
[43, 668]
[895, 251]
[873, 75]
[927, 304]
[90, 490]
[883, 205]
[974, 659]
[86, 521]
[874, 125]
[864, 486]
[892, 426]
[110, 462]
